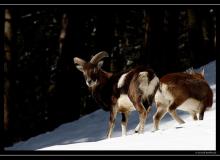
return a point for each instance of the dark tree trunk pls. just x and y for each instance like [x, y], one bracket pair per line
[7, 65]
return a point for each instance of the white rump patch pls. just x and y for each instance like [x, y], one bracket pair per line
[121, 80]
[143, 75]
[143, 82]
[124, 103]
[146, 88]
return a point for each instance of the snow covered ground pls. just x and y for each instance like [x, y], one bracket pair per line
[88, 133]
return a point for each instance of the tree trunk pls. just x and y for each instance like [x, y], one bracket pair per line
[7, 65]
[64, 25]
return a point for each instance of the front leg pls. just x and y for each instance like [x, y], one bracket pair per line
[112, 118]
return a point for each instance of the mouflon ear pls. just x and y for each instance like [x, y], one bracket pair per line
[80, 68]
[100, 64]
[79, 63]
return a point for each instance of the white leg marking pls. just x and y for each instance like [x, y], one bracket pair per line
[124, 124]
[123, 127]
[137, 128]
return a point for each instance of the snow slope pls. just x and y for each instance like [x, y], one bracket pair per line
[88, 133]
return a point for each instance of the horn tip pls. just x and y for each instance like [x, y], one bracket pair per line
[106, 53]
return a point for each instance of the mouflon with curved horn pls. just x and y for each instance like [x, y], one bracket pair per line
[121, 92]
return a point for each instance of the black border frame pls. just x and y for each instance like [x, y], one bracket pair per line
[211, 153]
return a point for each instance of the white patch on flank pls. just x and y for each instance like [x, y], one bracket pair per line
[124, 103]
[146, 88]
[121, 80]
[189, 105]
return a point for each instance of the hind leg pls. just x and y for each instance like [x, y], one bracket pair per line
[142, 117]
[137, 128]
[194, 116]
[144, 109]
[201, 112]
[172, 112]
[142, 120]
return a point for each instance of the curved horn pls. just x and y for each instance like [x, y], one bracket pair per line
[99, 56]
[79, 61]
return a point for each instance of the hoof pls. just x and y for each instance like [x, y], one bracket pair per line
[154, 130]
[180, 125]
